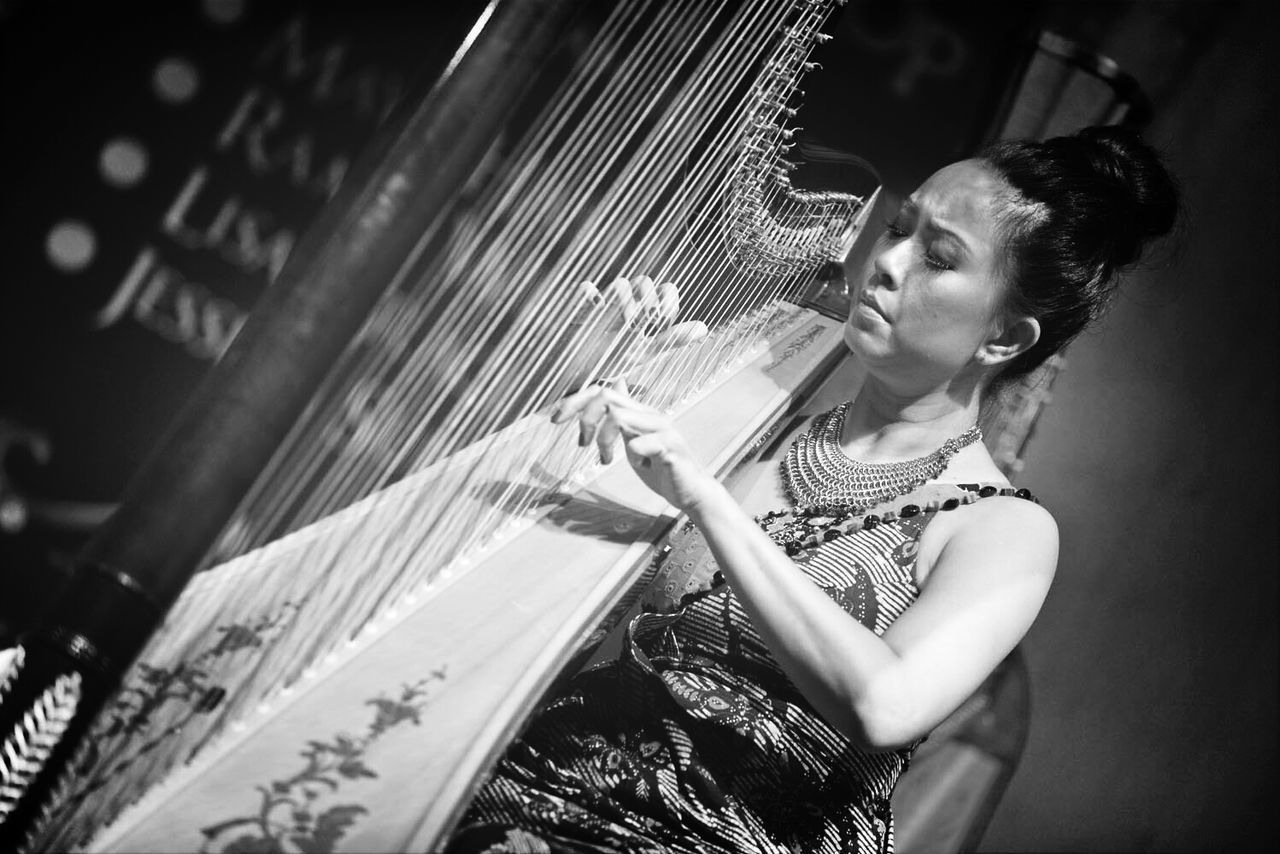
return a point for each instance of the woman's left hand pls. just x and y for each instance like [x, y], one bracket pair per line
[620, 330]
[657, 452]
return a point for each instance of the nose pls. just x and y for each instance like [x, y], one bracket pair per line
[891, 264]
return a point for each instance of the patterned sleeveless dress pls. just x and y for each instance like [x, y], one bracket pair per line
[694, 740]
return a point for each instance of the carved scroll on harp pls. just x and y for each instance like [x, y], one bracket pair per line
[439, 556]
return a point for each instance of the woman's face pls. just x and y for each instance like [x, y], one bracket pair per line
[929, 295]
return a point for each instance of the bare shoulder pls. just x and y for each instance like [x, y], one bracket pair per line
[998, 534]
[1007, 511]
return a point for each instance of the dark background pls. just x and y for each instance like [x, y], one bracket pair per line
[1154, 664]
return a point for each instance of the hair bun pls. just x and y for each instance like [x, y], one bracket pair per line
[1081, 208]
[1142, 195]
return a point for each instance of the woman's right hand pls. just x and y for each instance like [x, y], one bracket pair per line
[659, 455]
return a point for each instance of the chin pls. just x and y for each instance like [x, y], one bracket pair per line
[866, 346]
[856, 339]
[850, 334]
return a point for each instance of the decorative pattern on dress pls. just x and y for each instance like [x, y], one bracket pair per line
[695, 740]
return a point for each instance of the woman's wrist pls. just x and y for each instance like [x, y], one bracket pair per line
[708, 502]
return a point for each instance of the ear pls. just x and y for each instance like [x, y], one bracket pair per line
[1016, 336]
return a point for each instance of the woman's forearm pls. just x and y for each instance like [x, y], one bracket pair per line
[845, 670]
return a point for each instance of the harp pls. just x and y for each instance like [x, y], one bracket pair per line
[369, 551]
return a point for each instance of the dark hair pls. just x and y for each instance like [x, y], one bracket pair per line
[1083, 207]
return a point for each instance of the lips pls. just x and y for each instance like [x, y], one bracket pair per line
[866, 299]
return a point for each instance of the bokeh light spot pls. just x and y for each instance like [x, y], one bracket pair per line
[223, 11]
[175, 80]
[71, 246]
[123, 162]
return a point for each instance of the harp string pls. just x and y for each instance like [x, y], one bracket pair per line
[592, 253]
[465, 423]
[373, 539]
[410, 315]
[618, 202]
[488, 277]
[474, 471]
[445, 445]
[595, 231]
[341, 589]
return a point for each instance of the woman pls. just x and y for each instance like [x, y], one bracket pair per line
[891, 566]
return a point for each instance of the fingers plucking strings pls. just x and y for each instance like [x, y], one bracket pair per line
[607, 414]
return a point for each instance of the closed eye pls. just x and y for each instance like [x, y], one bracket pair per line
[898, 232]
[937, 263]
[894, 230]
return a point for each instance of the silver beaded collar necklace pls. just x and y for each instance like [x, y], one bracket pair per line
[816, 471]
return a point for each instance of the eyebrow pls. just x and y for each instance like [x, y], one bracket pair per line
[940, 229]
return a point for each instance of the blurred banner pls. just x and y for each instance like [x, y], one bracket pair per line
[161, 159]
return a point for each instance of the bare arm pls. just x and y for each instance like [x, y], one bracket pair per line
[985, 589]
